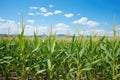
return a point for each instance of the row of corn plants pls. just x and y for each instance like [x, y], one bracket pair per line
[52, 59]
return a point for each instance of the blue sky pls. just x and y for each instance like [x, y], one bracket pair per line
[64, 15]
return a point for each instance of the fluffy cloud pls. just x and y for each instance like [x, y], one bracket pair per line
[51, 13]
[29, 30]
[8, 26]
[98, 32]
[118, 27]
[30, 21]
[37, 13]
[62, 28]
[92, 23]
[51, 6]
[30, 14]
[2, 20]
[6, 21]
[48, 14]
[85, 21]
[14, 27]
[42, 29]
[61, 25]
[57, 12]
[68, 15]
[43, 9]
[34, 7]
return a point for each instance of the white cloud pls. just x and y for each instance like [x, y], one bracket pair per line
[51, 6]
[61, 25]
[42, 14]
[62, 28]
[2, 20]
[10, 21]
[98, 32]
[85, 21]
[6, 21]
[68, 15]
[34, 7]
[42, 29]
[57, 12]
[8, 26]
[92, 23]
[37, 13]
[118, 27]
[31, 21]
[29, 30]
[30, 14]
[48, 14]
[43, 9]
[102, 32]
[15, 28]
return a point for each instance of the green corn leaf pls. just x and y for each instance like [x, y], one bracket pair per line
[81, 52]
[106, 51]
[96, 61]
[49, 64]
[37, 48]
[117, 67]
[117, 52]
[85, 69]
[41, 71]
[117, 76]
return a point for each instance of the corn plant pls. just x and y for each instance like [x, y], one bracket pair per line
[76, 58]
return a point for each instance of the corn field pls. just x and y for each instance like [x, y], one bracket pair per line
[52, 59]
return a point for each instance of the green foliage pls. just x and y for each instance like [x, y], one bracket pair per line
[51, 59]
